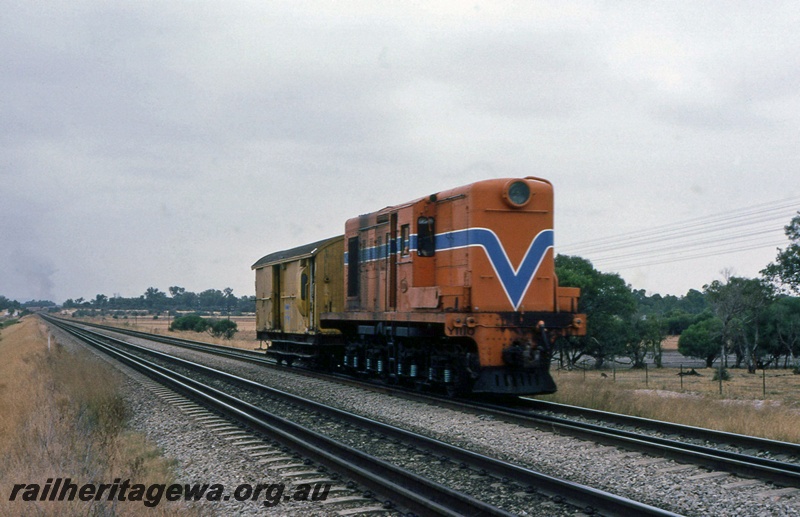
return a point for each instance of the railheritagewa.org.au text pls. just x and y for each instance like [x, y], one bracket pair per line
[65, 489]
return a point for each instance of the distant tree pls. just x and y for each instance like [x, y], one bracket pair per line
[211, 299]
[609, 305]
[782, 330]
[655, 304]
[177, 298]
[677, 321]
[646, 334]
[155, 300]
[739, 303]
[6, 304]
[182, 299]
[228, 299]
[694, 302]
[246, 304]
[635, 346]
[702, 340]
[784, 273]
[675, 313]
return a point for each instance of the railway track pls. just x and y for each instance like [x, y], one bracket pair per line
[746, 456]
[417, 493]
[758, 449]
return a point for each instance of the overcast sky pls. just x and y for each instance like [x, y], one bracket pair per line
[152, 144]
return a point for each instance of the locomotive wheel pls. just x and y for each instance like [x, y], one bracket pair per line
[452, 391]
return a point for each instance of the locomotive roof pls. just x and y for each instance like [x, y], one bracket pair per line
[306, 250]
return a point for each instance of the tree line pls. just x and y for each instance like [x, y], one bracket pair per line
[15, 308]
[755, 320]
[177, 299]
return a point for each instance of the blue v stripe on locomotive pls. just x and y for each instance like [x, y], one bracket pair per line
[515, 282]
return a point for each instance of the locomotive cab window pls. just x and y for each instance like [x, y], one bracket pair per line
[426, 237]
[404, 238]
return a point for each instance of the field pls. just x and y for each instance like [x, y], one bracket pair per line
[63, 416]
[765, 404]
[244, 338]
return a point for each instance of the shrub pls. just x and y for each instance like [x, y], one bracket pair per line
[190, 322]
[224, 328]
[725, 375]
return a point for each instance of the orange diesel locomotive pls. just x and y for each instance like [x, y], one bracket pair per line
[455, 291]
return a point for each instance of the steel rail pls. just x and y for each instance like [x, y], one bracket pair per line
[778, 472]
[579, 495]
[404, 488]
[739, 440]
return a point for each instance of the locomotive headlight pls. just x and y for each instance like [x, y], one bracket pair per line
[517, 193]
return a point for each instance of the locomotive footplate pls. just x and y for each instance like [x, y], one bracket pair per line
[461, 324]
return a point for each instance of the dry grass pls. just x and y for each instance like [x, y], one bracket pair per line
[61, 416]
[742, 408]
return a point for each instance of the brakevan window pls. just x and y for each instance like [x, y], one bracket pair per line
[426, 237]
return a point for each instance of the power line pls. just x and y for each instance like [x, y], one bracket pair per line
[614, 244]
[703, 243]
[698, 225]
[745, 229]
[691, 257]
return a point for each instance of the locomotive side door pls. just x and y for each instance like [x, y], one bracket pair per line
[452, 267]
[391, 264]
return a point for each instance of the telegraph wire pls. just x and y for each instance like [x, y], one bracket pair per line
[692, 257]
[688, 231]
[702, 220]
[745, 229]
[724, 239]
[697, 226]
